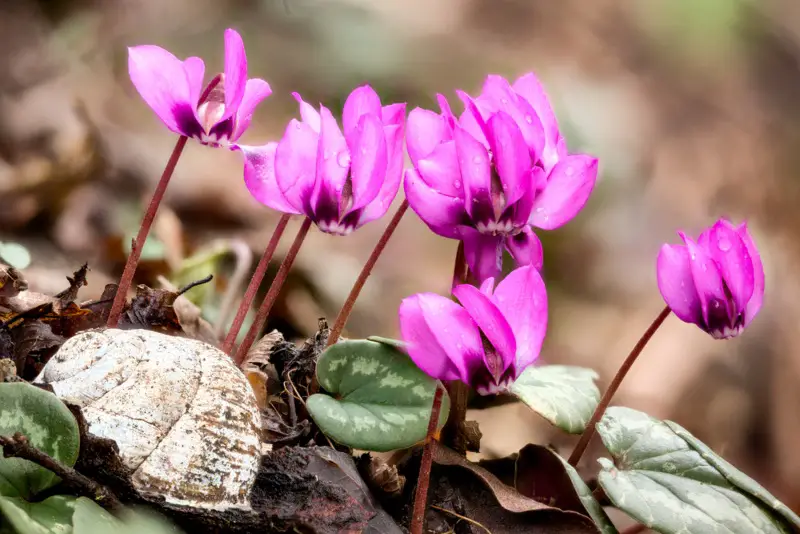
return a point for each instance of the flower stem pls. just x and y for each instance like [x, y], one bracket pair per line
[347, 308]
[255, 283]
[458, 391]
[580, 448]
[272, 294]
[421, 494]
[136, 247]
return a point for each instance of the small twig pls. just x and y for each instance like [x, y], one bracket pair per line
[580, 448]
[461, 517]
[17, 446]
[424, 480]
[192, 285]
[244, 258]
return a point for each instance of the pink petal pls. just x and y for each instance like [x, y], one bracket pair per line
[483, 252]
[487, 286]
[491, 322]
[163, 83]
[367, 144]
[756, 300]
[443, 214]
[441, 338]
[235, 72]
[675, 282]
[361, 101]
[730, 253]
[440, 170]
[255, 91]
[426, 130]
[511, 156]
[525, 248]
[522, 299]
[476, 172]
[568, 188]
[505, 99]
[195, 73]
[523, 208]
[394, 114]
[394, 173]
[309, 115]
[529, 87]
[259, 177]
[295, 164]
[473, 120]
[333, 167]
[707, 278]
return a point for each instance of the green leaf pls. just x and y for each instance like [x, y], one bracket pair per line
[593, 507]
[383, 401]
[15, 255]
[564, 395]
[48, 425]
[91, 518]
[51, 516]
[668, 480]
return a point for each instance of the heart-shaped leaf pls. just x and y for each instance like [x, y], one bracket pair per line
[382, 400]
[564, 395]
[668, 480]
[50, 516]
[48, 425]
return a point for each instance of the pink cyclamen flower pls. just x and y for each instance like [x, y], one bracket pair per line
[716, 282]
[487, 340]
[341, 181]
[488, 176]
[172, 88]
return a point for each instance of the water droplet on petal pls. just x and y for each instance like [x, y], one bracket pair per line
[457, 184]
[343, 159]
[570, 171]
[724, 244]
[529, 119]
[477, 160]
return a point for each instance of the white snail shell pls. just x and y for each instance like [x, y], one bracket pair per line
[183, 415]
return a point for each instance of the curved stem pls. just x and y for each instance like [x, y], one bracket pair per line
[421, 494]
[128, 272]
[580, 448]
[255, 283]
[272, 294]
[347, 308]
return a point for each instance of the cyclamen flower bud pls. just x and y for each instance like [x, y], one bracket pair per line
[172, 88]
[487, 340]
[716, 282]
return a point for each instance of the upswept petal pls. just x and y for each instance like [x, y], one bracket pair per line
[195, 73]
[426, 130]
[474, 118]
[163, 83]
[487, 286]
[707, 279]
[728, 250]
[295, 164]
[394, 114]
[362, 100]
[483, 252]
[333, 166]
[309, 115]
[491, 322]
[568, 188]
[522, 299]
[529, 88]
[521, 211]
[235, 72]
[676, 284]
[259, 176]
[754, 304]
[503, 98]
[442, 214]
[441, 337]
[369, 165]
[511, 156]
[394, 173]
[525, 248]
[440, 170]
[255, 91]
[476, 174]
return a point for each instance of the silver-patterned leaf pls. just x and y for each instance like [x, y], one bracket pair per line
[564, 395]
[664, 481]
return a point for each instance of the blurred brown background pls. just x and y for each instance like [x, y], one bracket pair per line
[692, 107]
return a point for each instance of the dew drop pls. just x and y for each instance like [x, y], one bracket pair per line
[724, 244]
[570, 171]
[477, 160]
[457, 184]
[529, 119]
[343, 159]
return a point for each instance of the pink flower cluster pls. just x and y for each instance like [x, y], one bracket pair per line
[487, 177]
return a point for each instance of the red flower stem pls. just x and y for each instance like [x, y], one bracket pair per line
[138, 244]
[272, 294]
[129, 271]
[421, 494]
[580, 448]
[255, 283]
[344, 313]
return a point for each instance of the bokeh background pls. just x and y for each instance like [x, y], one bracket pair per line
[691, 106]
